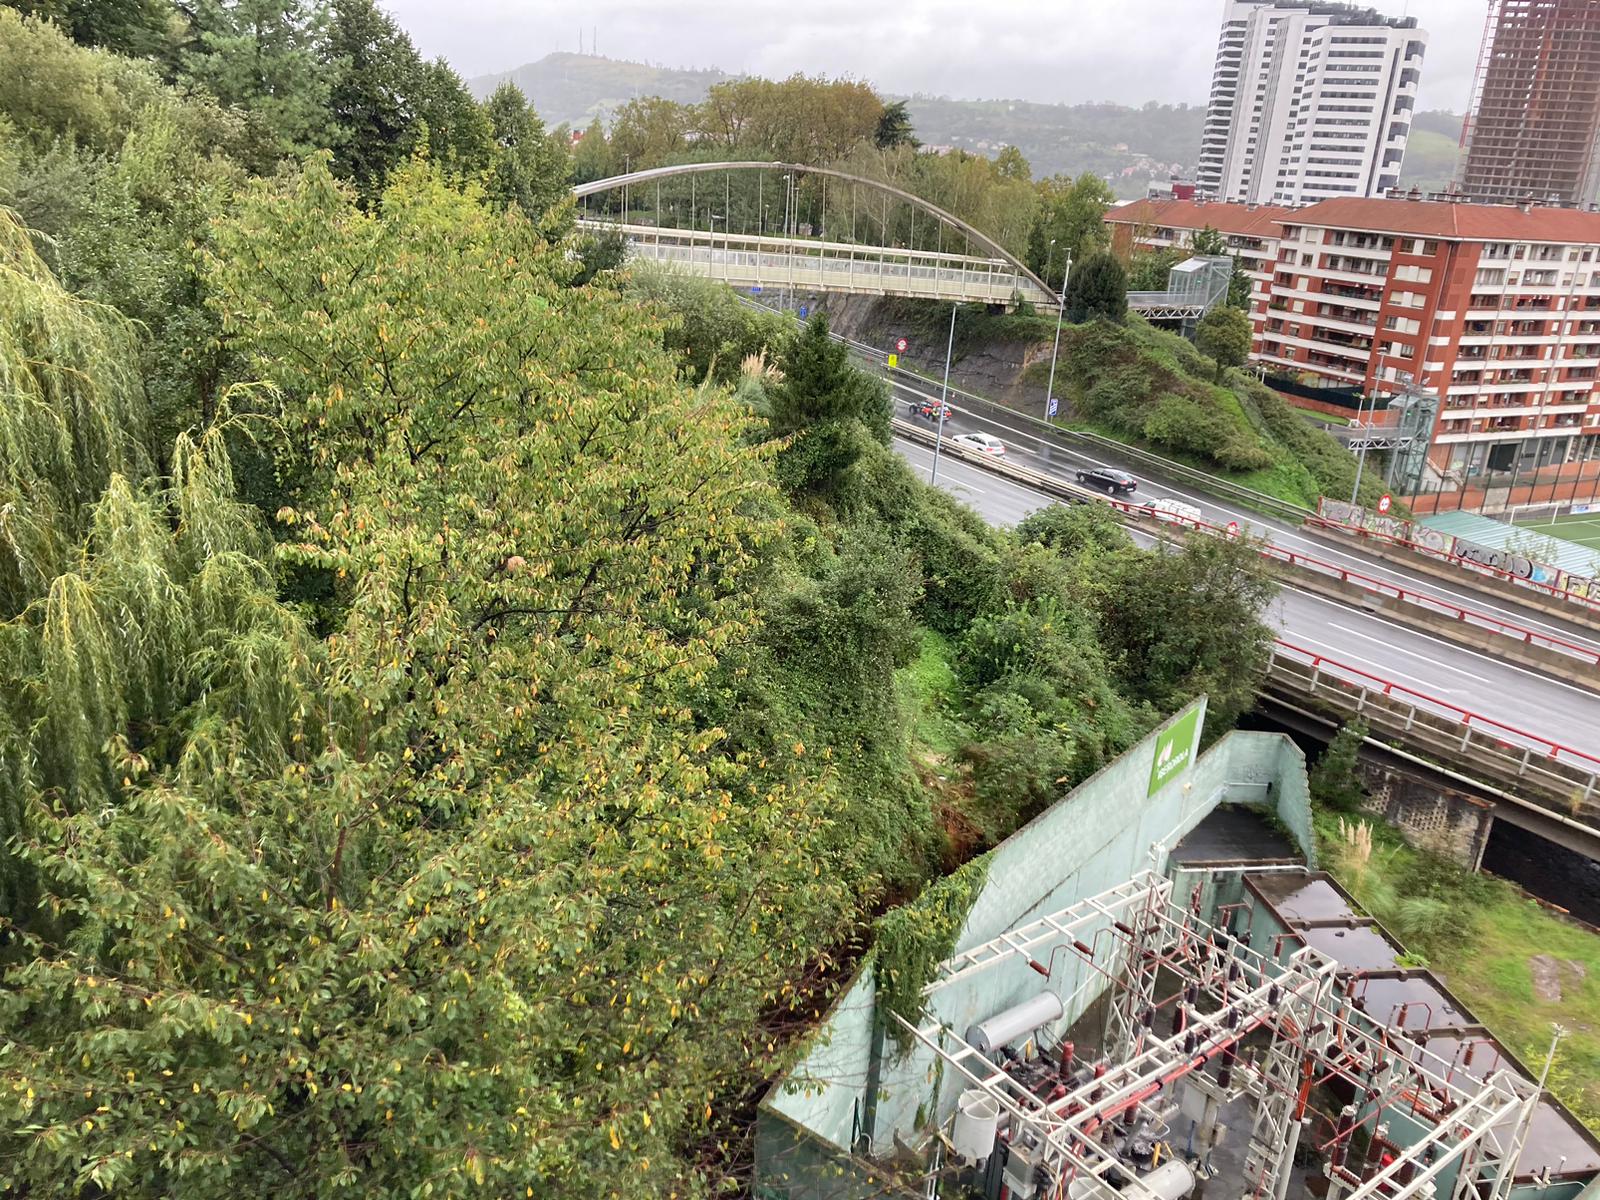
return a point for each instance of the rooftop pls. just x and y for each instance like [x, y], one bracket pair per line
[1444, 220]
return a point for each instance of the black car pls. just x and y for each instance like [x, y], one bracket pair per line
[1108, 479]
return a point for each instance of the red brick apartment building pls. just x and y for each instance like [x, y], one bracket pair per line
[1494, 308]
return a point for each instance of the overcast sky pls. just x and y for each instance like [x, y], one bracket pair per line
[1128, 51]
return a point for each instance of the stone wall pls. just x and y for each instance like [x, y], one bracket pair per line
[1430, 817]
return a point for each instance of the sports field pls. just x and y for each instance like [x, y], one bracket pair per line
[1584, 530]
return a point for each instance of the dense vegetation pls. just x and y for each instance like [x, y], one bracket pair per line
[1130, 145]
[1136, 383]
[457, 699]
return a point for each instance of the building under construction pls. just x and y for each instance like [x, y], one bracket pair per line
[1155, 995]
[1533, 131]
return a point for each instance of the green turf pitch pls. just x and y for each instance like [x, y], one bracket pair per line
[1585, 530]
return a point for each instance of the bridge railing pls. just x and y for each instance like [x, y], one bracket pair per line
[1539, 769]
[756, 260]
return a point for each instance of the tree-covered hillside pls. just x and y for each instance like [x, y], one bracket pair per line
[461, 702]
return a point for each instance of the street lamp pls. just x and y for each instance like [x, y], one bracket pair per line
[1061, 310]
[944, 395]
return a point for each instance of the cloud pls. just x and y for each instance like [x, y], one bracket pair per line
[1128, 51]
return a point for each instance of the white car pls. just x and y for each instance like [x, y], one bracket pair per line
[985, 442]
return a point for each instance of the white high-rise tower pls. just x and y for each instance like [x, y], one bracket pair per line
[1309, 101]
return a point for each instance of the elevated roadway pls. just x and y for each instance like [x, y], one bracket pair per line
[1465, 679]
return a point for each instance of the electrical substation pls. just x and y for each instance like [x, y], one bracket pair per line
[1157, 996]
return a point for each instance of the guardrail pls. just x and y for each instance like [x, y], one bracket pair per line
[1104, 448]
[1501, 752]
[1565, 777]
[1590, 604]
[1383, 587]
[1271, 551]
[1203, 481]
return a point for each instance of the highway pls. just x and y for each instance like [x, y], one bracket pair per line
[1519, 696]
[1027, 448]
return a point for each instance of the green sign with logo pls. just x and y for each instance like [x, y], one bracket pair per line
[1174, 749]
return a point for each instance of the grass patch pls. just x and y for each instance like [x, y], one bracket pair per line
[929, 692]
[1479, 935]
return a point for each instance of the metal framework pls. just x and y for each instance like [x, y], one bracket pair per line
[655, 174]
[1231, 993]
[1533, 129]
[810, 264]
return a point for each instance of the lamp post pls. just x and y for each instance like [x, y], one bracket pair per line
[944, 394]
[1061, 310]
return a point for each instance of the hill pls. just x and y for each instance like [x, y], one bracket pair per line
[1127, 145]
[1431, 151]
[574, 89]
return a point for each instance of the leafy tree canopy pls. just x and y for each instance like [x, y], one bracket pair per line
[1098, 288]
[460, 892]
[1224, 334]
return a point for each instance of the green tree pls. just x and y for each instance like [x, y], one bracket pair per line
[1010, 164]
[375, 73]
[1098, 288]
[1181, 623]
[459, 132]
[1150, 270]
[138, 28]
[894, 127]
[1336, 779]
[1070, 222]
[461, 892]
[263, 56]
[591, 156]
[1208, 240]
[530, 170]
[1224, 335]
[649, 132]
[830, 411]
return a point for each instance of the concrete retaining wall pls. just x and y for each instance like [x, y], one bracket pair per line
[1489, 587]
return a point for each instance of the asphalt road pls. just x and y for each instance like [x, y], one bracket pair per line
[1028, 449]
[1521, 697]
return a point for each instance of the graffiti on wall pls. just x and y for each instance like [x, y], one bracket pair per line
[1426, 537]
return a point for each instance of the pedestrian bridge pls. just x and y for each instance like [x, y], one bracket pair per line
[810, 265]
[819, 229]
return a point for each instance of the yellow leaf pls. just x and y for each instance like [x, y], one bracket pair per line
[616, 1142]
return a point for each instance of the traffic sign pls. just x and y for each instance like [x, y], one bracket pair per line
[1384, 503]
[1053, 407]
[900, 345]
[894, 361]
[1233, 529]
[756, 291]
[803, 311]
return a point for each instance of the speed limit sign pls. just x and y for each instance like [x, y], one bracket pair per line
[1384, 503]
[1233, 529]
[900, 345]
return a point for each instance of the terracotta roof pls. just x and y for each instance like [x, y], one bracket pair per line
[1420, 218]
[1464, 222]
[1260, 220]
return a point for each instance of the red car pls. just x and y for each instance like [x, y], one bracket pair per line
[928, 410]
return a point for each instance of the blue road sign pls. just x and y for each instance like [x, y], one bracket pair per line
[803, 311]
[1054, 405]
[755, 291]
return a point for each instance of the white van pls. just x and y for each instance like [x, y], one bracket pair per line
[1178, 512]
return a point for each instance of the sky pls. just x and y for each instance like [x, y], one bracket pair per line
[1127, 51]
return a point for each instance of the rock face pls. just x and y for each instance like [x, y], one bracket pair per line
[994, 370]
[1548, 972]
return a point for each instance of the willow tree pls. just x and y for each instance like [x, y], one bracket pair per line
[71, 417]
[482, 906]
